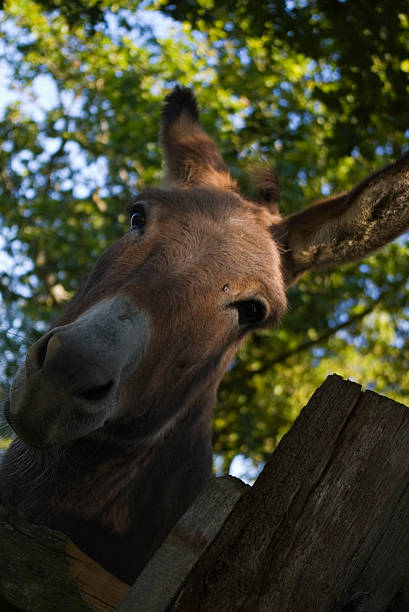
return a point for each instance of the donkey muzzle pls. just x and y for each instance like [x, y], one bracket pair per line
[69, 384]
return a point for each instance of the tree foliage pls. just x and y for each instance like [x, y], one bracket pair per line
[318, 88]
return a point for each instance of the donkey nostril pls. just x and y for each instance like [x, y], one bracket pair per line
[41, 353]
[95, 394]
[36, 356]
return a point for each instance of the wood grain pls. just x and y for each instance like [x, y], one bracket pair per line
[42, 571]
[326, 520]
[163, 577]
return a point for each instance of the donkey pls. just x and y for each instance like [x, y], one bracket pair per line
[113, 405]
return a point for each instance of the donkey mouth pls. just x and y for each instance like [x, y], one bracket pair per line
[45, 417]
[97, 393]
[51, 433]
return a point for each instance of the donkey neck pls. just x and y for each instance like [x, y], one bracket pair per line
[87, 475]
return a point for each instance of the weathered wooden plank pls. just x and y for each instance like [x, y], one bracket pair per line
[163, 577]
[41, 570]
[327, 519]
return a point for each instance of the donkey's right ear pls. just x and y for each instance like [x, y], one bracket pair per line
[192, 158]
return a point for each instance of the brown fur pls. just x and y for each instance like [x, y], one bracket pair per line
[193, 159]
[117, 491]
[264, 177]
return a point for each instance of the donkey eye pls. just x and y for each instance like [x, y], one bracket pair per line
[137, 218]
[250, 311]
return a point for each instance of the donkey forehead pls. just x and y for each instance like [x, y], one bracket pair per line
[206, 212]
[215, 229]
[213, 203]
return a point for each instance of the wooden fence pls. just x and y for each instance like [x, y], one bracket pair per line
[325, 528]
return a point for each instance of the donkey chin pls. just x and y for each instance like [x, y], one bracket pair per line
[69, 384]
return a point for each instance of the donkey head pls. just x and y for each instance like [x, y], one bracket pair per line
[149, 335]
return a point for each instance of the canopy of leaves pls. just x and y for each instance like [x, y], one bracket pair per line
[318, 88]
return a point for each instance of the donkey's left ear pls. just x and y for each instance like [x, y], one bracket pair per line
[192, 158]
[348, 226]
